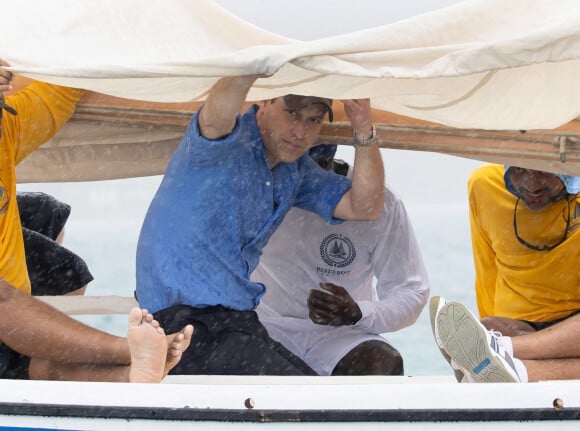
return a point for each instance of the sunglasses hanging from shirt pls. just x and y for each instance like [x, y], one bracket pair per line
[544, 247]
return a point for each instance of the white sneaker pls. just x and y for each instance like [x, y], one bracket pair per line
[435, 305]
[473, 350]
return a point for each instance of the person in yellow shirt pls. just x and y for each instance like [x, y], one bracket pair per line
[526, 247]
[42, 110]
[60, 347]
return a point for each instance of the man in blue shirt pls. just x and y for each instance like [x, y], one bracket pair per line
[227, 188]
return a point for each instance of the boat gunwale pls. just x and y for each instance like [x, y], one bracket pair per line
[290, 415]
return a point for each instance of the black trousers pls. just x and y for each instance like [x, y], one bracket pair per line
[5, 355]
[230, 342]
[52, 268]
[538, 326]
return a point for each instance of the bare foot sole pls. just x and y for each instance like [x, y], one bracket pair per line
[148, 346]
[177, 344]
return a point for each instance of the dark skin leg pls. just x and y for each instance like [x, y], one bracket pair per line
[506, 326]
[370, 358]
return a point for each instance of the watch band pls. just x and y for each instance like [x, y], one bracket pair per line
[368, 141]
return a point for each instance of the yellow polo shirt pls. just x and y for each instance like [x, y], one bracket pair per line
[511, 279]
[42, 110]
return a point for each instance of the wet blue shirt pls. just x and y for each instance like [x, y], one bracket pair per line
[215, 210]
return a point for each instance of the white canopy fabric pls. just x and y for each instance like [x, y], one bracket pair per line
[487, 64]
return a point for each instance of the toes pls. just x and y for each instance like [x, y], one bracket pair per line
[135, 317]
[188, 331]
[175, 352]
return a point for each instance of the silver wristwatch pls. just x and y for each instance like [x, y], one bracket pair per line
[368, 141]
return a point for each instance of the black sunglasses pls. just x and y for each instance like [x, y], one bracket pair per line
[7, 108]
[543, 247]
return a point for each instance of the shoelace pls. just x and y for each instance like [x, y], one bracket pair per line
[499, 349]
[494, 342]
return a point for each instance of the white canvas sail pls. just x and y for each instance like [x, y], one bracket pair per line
[480, 64]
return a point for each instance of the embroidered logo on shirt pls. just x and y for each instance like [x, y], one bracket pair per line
[337, 250]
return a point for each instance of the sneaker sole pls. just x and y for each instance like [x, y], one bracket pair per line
[435, 304]
[464, 340]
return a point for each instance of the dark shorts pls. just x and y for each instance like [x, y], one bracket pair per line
[13, 365]
[5, 355]
[538, 326]
[229, 342]
[42, 213]
[52, 268]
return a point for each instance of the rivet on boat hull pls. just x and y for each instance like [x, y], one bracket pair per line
[249, 403]
[558, 404]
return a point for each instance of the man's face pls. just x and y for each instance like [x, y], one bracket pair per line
[288, 134]
[537, 189]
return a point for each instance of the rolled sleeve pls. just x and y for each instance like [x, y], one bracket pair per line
[321, 191]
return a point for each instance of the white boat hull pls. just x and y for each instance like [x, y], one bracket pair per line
[321, 403]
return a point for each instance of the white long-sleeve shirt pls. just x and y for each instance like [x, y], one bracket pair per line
[305, 250]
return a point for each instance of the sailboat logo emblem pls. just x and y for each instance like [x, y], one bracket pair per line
[337, 250]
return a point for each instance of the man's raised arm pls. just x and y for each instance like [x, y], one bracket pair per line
[217, 117]
[364, 201]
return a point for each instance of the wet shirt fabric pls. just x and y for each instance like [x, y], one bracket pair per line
[215, 210]
[513, 280]
[42, 110]
[378, 262]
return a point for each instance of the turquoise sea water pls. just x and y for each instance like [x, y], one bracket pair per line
[106, 218]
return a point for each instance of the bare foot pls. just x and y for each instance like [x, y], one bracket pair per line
[177, 344]
[148, 346]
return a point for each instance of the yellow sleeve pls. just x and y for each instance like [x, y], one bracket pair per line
[483, 256]
[42, 111]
